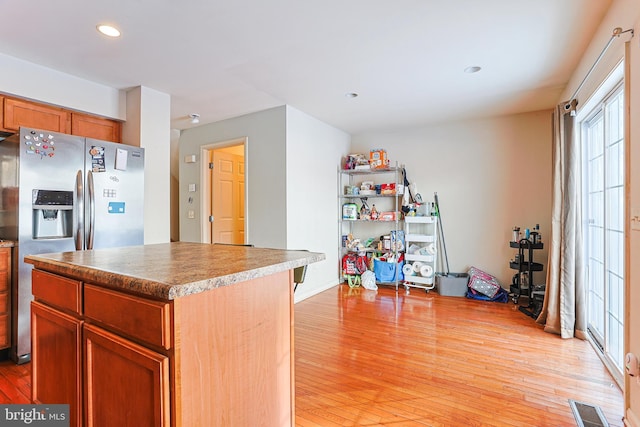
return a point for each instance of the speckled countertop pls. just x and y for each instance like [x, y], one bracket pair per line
[7, 243]
[172, 270]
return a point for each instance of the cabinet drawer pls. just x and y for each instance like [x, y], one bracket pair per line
[144, 319]
[57, 291]
[4, 259]
[4, 302]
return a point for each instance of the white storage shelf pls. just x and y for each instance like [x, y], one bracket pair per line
[421, 239]
[386, 201]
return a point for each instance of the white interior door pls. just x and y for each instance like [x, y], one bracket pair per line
[227, 197]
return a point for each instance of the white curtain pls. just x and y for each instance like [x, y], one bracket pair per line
[564, 310]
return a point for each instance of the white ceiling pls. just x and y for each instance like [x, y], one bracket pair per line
[405, 58]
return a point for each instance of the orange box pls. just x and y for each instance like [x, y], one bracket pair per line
[378, 159]
[388, 216]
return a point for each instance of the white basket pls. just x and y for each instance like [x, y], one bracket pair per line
[419, 279]
[420, 219]
[416, 257]
[420, 238]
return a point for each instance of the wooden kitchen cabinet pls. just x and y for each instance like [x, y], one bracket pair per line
[2, 113]
[18, 112]
[95, 127]
[178, 334]
[5, 299]
[105, 378]
[123, 347]
[56, 359]
[125, 383]
[56, 342]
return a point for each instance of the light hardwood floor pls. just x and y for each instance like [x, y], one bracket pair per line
[367, 358]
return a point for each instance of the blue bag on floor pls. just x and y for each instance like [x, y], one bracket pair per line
[387, 272]
[501, 296]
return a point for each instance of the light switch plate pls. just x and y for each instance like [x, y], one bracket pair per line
[191, 214]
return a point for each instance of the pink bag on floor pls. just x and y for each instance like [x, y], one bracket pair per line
[483, 282]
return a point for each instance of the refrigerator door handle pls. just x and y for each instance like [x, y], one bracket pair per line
[92, 209]
[78, 203]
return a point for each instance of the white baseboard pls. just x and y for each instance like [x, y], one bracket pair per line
[302, 293]
[631, 419]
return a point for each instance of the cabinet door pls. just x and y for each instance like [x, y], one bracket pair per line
[5, 269]
[125, 384]
[56, 356]
[2, 113]
[95, 127]
[4, 329]
[24, 113]
[5, 278]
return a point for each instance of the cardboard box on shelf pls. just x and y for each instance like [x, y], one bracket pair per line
[378, 159]
[388, 216]
[388, 188]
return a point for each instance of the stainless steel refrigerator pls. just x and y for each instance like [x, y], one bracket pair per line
[63, 193]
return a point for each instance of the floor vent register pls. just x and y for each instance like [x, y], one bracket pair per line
[588, 415]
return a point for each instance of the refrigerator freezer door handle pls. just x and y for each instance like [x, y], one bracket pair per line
[78, 203]
[92, 210]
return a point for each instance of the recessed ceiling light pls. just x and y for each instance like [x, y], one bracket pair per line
[351, 95]
[472, 69]
[108, 30]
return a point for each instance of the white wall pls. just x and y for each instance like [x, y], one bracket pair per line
[27, 80]
[291, 164]
[314, 150]
[266, 174]
[490, 175]
[148, 127]
[174, 162]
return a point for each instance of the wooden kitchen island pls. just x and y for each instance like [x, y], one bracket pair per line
[176, 334]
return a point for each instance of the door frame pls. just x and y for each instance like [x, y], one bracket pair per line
[205, 194]
[610, 85]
